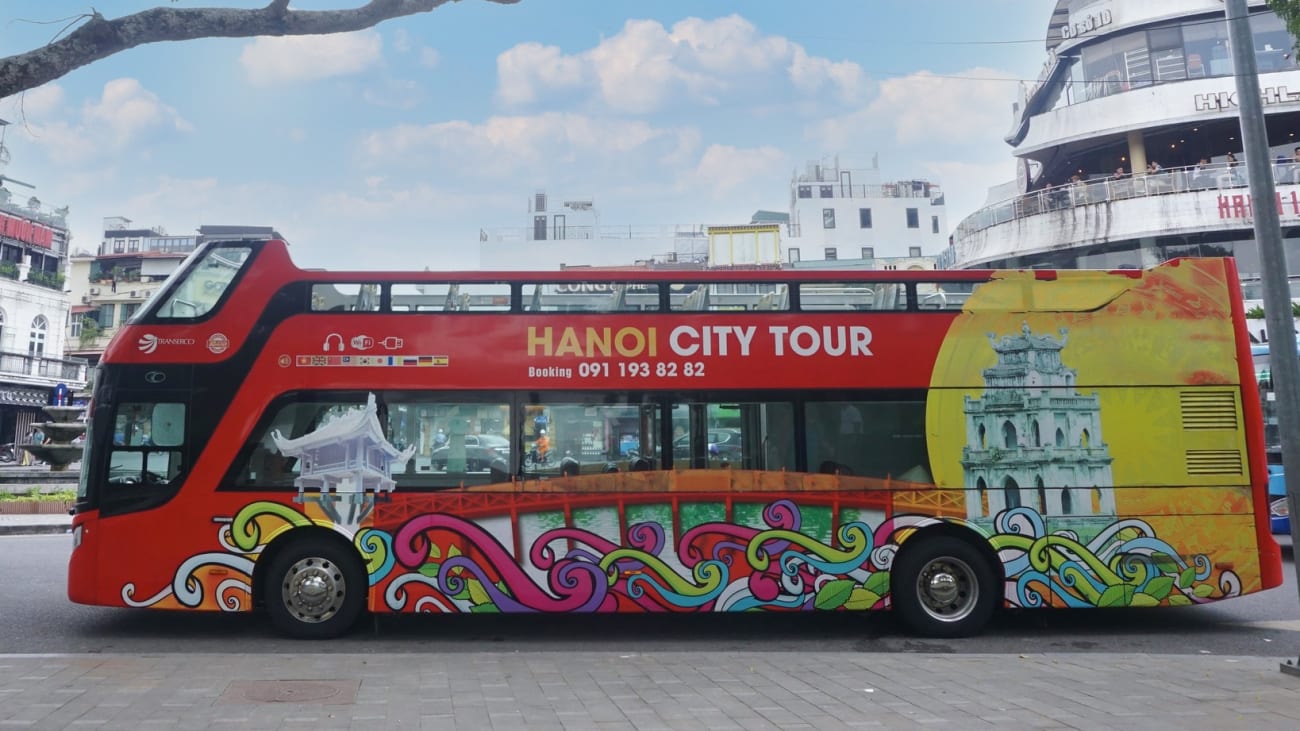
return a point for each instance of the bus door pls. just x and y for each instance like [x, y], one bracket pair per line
[141, 446]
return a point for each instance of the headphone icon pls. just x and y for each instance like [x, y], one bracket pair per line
[325, 348]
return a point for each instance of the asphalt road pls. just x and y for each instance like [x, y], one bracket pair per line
[36, 617]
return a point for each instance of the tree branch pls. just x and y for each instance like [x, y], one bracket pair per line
[99, 38]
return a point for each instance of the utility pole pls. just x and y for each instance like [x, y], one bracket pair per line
[1284, 365]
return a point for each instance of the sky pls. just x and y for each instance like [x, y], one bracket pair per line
[390, 148]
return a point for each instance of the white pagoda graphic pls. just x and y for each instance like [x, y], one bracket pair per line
[1032, 440]
[345, 463]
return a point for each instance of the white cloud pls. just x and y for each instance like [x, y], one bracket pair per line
[528, 68]
[126, 113]
[724, 170]
[37, 103]
[552, 145]
[284, 60]
[425, 56]
[126, 110]
[924, 108]
[645, 66]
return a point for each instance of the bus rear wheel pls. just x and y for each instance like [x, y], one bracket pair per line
[315, 590]
[943, 587]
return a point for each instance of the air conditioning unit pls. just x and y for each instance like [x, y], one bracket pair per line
[94, 291]
[133, 294]
[85, 299]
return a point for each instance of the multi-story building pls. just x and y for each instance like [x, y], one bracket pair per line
[843, 217]
[108, 286]
[852, 221]
[1128, 148]
[33, 308]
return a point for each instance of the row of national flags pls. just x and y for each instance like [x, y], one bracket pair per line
[428, 361]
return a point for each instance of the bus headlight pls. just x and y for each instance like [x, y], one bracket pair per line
[1278, 508]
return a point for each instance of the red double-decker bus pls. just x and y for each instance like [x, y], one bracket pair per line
[938, 443]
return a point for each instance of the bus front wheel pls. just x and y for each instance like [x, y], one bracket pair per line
[315, 589]
[943, 587]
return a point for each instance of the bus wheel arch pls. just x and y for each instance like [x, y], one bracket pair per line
[946, 581]
[312, 582]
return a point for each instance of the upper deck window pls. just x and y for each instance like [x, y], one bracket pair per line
[345, 297]
[852, 296]
[451, 297]
[203, 284]
[729, 296]
[591, 297]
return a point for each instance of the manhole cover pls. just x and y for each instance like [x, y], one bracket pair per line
[325, 692]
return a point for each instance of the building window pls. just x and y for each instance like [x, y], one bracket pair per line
[805, 191]
[36, 345]
[934, 224]
[864, 218]
[128, 309]
[133, 245]
[830, 253]
[868, 252]
[913, 218]
[74, 327]
[828, 218]
[913, 251]
[827, 191]
[105, 316]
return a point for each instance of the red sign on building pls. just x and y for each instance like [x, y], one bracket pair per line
[26, 231]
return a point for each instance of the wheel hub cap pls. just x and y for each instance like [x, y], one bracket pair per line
[943, 587]
[314, 590]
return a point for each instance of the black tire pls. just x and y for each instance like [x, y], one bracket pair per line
[315, 589]
[943, 587]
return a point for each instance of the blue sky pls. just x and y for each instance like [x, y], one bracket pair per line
[392, 147]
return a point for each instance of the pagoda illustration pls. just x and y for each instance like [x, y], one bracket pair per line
[1032, 440]
[345, 463]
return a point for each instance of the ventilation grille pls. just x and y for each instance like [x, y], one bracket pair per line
[1213, 462]
[1209, 409]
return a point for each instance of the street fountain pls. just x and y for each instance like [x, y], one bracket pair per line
[64, 426]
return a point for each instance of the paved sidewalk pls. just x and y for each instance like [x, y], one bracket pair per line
[34, 524]
[670, 690]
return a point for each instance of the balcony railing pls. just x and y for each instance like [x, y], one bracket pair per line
[65, 370]
[1103, 190]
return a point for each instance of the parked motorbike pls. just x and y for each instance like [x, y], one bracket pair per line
[8, 453]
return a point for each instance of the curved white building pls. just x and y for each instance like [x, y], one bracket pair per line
[1126, 83]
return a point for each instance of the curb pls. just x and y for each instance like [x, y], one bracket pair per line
[34, 530]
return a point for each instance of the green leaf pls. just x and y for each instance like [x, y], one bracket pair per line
[1178, 600]
[1204, 591]
[453, 551]
[1160, 587]
[861, 600]
[484, 609]
[1187, 578]
[1141, 599]
[477, 593]
[1120, 595]
[877, 582]
[434, 551]
[833, 594]
[430, 570]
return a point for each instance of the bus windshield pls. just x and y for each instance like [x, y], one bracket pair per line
[203, 284]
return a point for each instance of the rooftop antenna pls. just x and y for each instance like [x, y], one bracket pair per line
[4, 159]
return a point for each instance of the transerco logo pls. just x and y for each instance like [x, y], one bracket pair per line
[149, 342]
